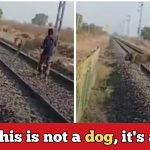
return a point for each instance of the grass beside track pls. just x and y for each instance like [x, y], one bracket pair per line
[95, 112]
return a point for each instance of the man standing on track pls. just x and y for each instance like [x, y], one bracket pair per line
[46, 57]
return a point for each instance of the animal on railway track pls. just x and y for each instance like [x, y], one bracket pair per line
[137, 58]
[18, 42]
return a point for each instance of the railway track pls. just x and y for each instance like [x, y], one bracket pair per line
[20, 103]
[129, 48]
[55, 95]
[130, 97]
[58, 73]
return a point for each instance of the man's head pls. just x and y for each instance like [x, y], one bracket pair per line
[50, 31]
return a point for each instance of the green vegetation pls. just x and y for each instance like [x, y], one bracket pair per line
[40, 19]
[1, 13]
[86, 74]
[94, 111]
[85, 27]
[88, 107]
[145, 33]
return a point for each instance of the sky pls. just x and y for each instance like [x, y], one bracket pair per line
[25, 11]
[115, 15]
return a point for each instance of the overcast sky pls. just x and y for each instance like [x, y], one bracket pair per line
[114, 14]
[25, 11]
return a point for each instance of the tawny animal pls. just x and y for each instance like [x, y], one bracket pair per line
[138, 59]
[18, 42]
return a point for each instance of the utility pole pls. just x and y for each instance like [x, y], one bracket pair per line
[60, 14]
[58, 23]
[128, 24]
[123, 25]
[120, 29]
[141, 4]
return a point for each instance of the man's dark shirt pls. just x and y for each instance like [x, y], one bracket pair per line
[48, 45]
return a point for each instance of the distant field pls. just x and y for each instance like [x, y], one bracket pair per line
[66, 34]
[33, 36]
[86, 43]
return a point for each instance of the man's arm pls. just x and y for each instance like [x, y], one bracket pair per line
[43, 44]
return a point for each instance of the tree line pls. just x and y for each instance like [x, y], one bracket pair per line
[145, 33]
[82, 26]
[40, 19]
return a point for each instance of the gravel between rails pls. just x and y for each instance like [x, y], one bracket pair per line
[16, 105]
[60, 97]
[130, 100]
